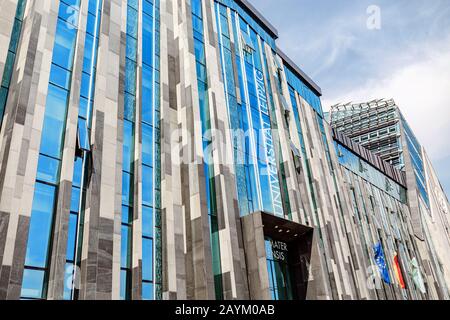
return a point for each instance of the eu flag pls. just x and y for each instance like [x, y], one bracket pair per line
[381, 263]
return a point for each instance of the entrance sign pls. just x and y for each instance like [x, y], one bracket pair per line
[279, 250]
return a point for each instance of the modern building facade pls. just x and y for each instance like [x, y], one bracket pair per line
[154, 149]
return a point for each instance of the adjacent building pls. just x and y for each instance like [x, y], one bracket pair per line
[381, 127]
[154, 149]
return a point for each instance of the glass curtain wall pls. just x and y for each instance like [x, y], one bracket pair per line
[11, 57]
[258, 184]
[52, 138]
[202, 80]
[415, 151]
[151, 153]
[81, 162]
[128, 148]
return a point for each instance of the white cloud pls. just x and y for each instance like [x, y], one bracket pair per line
[422, 91]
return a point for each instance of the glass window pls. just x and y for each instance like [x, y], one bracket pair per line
[48, 169]
[75, 201]
[147, 259]
[131, 48]
[198, 27]
[68, 281]
[147, 291]
[147, 221]
[123, 284]
[60, 76]
[125, 245]
[127, 189]
[147, 145]
[77, 171]
[147, 7]
[68, 11]
[55, 113]
[127, 214]
[73, 222]
[132, 18]
[83, 109]
[201, 71]
[147, 38]
[199, 51]
[86, 90]
[32, 284]
[40, 226]
[83, 135]
[196, 7]
[130, 102]
[88, 53]
[64, 48]
[147, 186]
[128, 146]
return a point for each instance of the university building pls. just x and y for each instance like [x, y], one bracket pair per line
[163, 150]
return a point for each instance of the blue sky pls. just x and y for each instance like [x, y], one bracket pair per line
[407, 59]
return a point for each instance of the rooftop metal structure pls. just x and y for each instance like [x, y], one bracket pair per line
[372, 124]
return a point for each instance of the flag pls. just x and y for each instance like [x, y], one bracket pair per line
[398, 272]
[417, 276]
[381, 263]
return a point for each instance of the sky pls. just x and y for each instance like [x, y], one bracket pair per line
[356, 57]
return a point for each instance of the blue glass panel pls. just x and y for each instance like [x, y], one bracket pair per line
[147, 186]
[75, 200]
[128, 146]
[55, 115]
[196, 7]
[68, 281]
[130, 76]
[86, 90]
[198, 27]
[127, 189]
[88, 53]
[83, 135]
[123, 284]
[64, 48]
[147, 291]
[147, 38]
[73, 222]
[147, 7]
[127, 214]
[32, 284]
[130, 102]
[147, 221]
[147, 145]
[40, 226]
[147, 259]
[77, 172]
[83, 109]
[131, 48]
[69, 12]
[60, 76]
[125, 244]
[132, 18]
[48, 169]
[92, 25]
